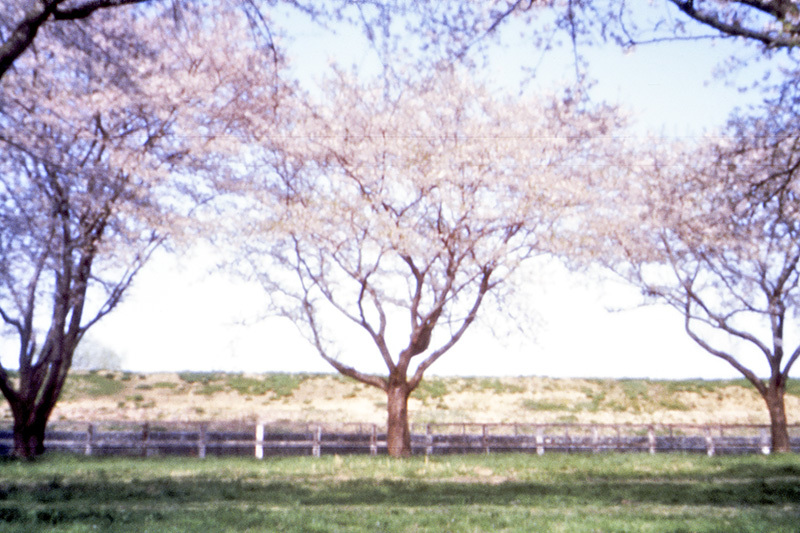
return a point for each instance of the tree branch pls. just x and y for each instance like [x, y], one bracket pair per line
[118, 290]
[485, 286]
[791, 361]
[375, 381]
[23, 35]
[5, 387]
[379, 336]
[721, 322]
[771, 40]
[746, 372]
[85, 9]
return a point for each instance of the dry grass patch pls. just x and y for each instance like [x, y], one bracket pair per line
[194, 396]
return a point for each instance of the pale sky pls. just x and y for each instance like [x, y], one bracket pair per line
[178, 316]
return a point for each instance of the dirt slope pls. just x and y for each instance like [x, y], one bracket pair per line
[330, 398]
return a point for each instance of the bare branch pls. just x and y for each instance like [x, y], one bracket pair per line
[485, 286]
[780, 9]
[746, 372]
[23, 35]
[790, 362]
[84, 9]
[368, 379]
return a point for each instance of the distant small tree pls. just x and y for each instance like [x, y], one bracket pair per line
[402, 207]
[93, 355]
[716, 236]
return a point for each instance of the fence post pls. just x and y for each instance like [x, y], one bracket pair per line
[259, 441]
[373, 441]
[539, 440]
[709, 442]
[485, 439]
[765, 441]
[89, 438]
[145, 439]
[595, 439]
[429, 440]
[201, 441]
[651, 439]
[315, 447]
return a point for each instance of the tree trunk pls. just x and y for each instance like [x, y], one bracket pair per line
[777, 419]
[398, 436]
[30, 419]
[29, 435]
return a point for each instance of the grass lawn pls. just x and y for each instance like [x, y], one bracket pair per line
[624, 492]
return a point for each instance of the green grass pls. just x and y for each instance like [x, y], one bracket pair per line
[621, 396]
[281, 385]
[495, 385]
[539, 405]
[572, 493]
[203, 378]
[430, 389]
[644, 396]
[717, 385]
[248, 386]
[209, 389]
[91, 384]
[702, 386]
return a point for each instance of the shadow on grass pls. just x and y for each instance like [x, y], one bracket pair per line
[120, 506]
[764, 491]
[755, 470]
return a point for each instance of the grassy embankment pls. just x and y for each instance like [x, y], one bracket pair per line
[572, 493]
[330, 398]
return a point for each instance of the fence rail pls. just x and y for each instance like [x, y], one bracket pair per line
[273, 439]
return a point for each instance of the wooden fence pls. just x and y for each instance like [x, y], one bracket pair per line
[201, 439]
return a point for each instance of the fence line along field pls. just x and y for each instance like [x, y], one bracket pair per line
[202, 439]
[326, 398]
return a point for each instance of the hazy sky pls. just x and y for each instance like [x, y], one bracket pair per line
[178, 316]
